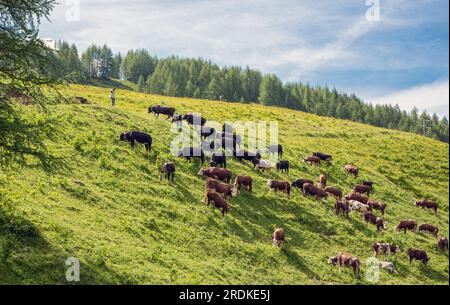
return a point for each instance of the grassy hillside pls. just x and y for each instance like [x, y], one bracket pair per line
[104, 203]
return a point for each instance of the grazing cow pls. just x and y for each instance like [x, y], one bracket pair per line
[346, 260]
[428, 228]
[337, 193]
[168, 169]
[385, 249]
[282, 186]
[82, 100]
[207, 132]
[221, 174]
[158, 109]
[247, 156]
[368, 183]
[219, 202]
[243, 181]
[191, 152]
[137, 136]
[362, 189]
[374, 205]
[322, 181]
[312, 160]
[406, 225]
[342, 206]
[417, 255]
[311, 190]
[428, 204]
[443, 244]
[264, 165]
[218, 160]
[358, 206]
[276, 150]
[323, 157]
[221, 188]
[353, 170]
[300, 183]
[388, 266]
[278, 237]
[377, 221]
[283, 166]
[357, 197]
[194, 119]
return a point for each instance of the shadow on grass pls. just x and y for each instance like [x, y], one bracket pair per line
[26, 257]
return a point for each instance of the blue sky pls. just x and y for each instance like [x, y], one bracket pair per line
[401, 58]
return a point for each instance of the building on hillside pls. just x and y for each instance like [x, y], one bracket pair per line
[49, 43]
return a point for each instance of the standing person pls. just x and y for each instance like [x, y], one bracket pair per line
[112, 95]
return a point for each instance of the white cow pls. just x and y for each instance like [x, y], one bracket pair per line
[264, 165]
[358, 206]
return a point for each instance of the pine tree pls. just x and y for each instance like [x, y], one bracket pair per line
[141, 84]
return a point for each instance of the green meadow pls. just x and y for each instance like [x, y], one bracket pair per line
[103, 202]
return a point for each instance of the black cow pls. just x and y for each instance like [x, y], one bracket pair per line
[137, 136]
[323, 157]
[300, 183]
[191, 152]
[247, 156]
[194, 119]
[283, 166]
[168, 170]
[218, 160]
[207, 132]
[276, 150]
[158, 109]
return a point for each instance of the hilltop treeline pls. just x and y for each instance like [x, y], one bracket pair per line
[197, 78]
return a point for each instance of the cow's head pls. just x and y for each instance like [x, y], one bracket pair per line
[332, 260]
[150, 109]
[269, 183]
[123, 136]
[397, 250]
[201, 172]
[426, 259]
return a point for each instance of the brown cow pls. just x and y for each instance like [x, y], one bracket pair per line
[357, 197]
[221, 174]
[418, 255]
[377, 221]
[312, 160]
[219, 202]
[283, 186]
[346, 260]
[429, 228]
[342, 206]
[337, 193]
[443, 244]
[405, 225]
[322, 181]
[243, 181]
[278, 237]
[352, 170]
[221, 188]
[362, 189]
[428, 204]
[374, 205]
[311, 190]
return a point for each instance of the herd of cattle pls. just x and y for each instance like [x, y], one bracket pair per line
[218, 187]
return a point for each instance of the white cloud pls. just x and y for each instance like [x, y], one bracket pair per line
[431, 97]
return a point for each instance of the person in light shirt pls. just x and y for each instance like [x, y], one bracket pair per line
[112, 95]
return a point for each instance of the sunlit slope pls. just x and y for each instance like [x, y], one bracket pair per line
[104, 203]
